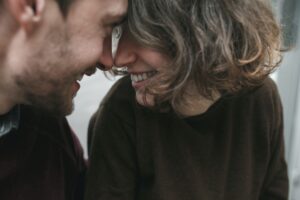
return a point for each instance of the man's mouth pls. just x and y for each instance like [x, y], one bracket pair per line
[139, 77]
[79, 77]
[88, 72]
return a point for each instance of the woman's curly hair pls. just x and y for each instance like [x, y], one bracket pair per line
[218, 45]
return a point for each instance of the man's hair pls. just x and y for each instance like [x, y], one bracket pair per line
[218, 45]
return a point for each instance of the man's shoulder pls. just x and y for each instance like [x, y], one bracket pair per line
[54, 130]
[44, 123]
[32, 114]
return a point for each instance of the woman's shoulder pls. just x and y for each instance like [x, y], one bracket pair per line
[264, 100]
[268, 87]
[120, 93]
[266, 94]
[266, 91]
[118, 102]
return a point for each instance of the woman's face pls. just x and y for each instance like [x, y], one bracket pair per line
[143, 64]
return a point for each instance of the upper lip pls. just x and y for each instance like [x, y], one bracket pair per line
[90, 71]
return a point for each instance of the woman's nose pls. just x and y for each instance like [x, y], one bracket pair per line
[126, 53]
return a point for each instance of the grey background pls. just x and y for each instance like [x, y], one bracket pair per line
[91, 92]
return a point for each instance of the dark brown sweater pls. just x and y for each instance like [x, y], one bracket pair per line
[234, 151]
[42, 160]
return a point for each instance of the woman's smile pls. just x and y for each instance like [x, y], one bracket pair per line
[139, 79]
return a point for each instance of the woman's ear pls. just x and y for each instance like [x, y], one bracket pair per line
[27, 13]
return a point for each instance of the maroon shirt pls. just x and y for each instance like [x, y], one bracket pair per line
[42, 160]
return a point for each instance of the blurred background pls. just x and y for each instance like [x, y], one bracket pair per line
[287, 77]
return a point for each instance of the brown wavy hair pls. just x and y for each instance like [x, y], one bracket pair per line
[217, 45]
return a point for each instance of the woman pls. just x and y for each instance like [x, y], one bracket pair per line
[198, 117]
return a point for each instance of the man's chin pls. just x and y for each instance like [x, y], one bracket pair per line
[59, 109]
[65, 110]
[69, 111]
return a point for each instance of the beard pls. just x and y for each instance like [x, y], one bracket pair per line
[48, 95]
[46, 79]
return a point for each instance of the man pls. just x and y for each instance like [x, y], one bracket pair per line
[46, 46]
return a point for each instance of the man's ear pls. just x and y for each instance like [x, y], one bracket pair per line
[27, 12]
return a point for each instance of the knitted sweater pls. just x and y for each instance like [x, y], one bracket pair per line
[233, 151]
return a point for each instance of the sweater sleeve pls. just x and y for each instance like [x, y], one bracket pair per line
[276, 181]
[112, 167]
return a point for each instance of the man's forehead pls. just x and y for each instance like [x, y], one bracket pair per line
[101, 4]
[108, 9]
[116, 10]
[116, 7]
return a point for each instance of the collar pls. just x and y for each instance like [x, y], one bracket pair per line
[10, 121]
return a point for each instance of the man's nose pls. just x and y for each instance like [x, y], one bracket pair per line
[106, 60]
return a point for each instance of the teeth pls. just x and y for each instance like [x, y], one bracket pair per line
[145, 76]
[142, 76]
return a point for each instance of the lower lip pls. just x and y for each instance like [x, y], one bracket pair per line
[75, 88]
[138, 85]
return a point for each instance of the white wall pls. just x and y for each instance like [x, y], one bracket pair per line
[92, 90]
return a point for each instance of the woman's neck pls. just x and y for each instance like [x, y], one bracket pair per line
[196, 104]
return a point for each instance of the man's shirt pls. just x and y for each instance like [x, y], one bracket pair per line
[9, 121]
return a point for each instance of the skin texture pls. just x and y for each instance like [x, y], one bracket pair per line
[44, 51]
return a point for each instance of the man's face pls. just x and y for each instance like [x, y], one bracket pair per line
[64, 49]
